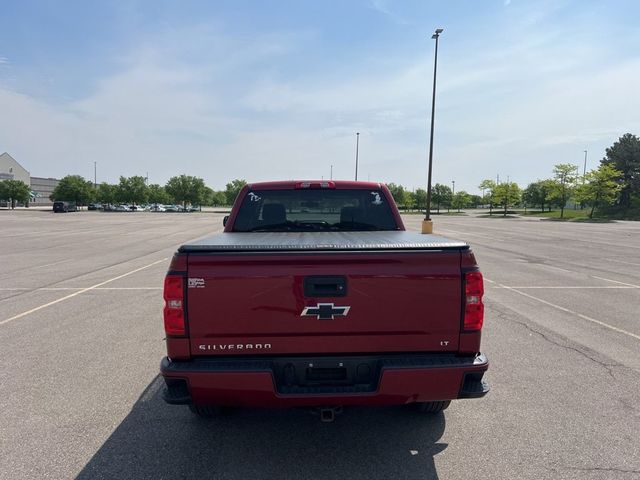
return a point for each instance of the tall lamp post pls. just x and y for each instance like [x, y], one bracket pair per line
[584, 171]
[427, 224]
[95, 174]
[357, 145]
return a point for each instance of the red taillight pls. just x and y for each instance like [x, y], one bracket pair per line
[473, 307]
[174, 305]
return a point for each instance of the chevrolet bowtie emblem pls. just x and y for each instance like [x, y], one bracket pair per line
[325, 311]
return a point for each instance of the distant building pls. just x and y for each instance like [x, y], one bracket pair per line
[40, 187]
[12, 170]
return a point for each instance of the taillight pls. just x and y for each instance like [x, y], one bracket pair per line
[473, 307]
[174, 305]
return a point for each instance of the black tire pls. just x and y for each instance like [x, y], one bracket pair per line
[431, 407]
[205, 411]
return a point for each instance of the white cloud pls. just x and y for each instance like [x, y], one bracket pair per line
[384, 7]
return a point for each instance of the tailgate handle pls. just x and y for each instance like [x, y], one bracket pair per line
[321, 286]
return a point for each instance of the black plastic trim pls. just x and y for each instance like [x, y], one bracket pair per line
[473, 386]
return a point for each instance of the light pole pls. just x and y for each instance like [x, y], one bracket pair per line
[427, 224]
[331, 172]
[584, 171]
[95, 174]
[453, 184]
[357, 146]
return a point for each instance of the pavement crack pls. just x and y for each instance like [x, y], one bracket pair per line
[601, 469]
[607, 366]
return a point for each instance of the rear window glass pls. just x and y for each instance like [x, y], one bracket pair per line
[309, 210]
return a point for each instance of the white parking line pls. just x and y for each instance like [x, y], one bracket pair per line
[616, 281]
[566, 310]
[608, 287]
[56, 289]
[93, 287]
[481, 235]
[52, 264]
[554, 268]
[623, 261]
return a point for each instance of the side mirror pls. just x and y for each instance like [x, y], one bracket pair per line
[225, 220]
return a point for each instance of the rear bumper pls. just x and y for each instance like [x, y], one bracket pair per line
[297, 382]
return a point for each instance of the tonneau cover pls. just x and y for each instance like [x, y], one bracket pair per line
[331, 241]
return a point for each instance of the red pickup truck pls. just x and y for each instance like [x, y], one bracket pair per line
[316, 295]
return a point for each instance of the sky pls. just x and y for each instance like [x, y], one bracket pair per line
[269, 90]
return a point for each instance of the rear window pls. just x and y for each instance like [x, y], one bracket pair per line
[310, 210]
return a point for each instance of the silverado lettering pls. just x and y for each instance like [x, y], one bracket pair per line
[322, 298]
[237, 346]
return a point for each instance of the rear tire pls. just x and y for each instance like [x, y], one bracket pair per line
[205, 411]
[431, 407]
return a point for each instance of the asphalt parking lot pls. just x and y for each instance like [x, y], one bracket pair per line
[81, 338]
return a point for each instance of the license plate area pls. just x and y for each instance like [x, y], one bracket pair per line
[306, 375]
[331, 375]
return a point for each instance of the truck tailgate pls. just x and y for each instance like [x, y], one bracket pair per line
[241, 303]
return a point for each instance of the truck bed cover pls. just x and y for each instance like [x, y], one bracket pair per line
[320, 241]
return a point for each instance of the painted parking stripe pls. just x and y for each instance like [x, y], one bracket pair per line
[71, 295]
[616, 281]
[579, 315]
[56, 289]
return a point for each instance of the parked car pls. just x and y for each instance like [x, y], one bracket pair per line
[136, 208]
[63, 207]
[158, 208]
[121, 208]
[94, 206]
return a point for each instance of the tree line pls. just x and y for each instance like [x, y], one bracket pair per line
[613, 187]
[181, 189]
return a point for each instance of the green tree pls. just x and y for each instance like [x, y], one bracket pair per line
[133, 190]
[106, 193]
[207, 196]
[397, 192]
[218, 198]
[460, 200]
[441, 195]
[487, 186]
[158, 194]
[186, 189]
[506, 194]
[565, 176]
[624, 155]
[408, 200]
[474, 201]
[420, 197]
[14, 191]
[601, 188]
[537, 193]
[233, 189]
[73, 188]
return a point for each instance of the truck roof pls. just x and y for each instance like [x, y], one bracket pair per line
[292, 184]
[321, 241]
